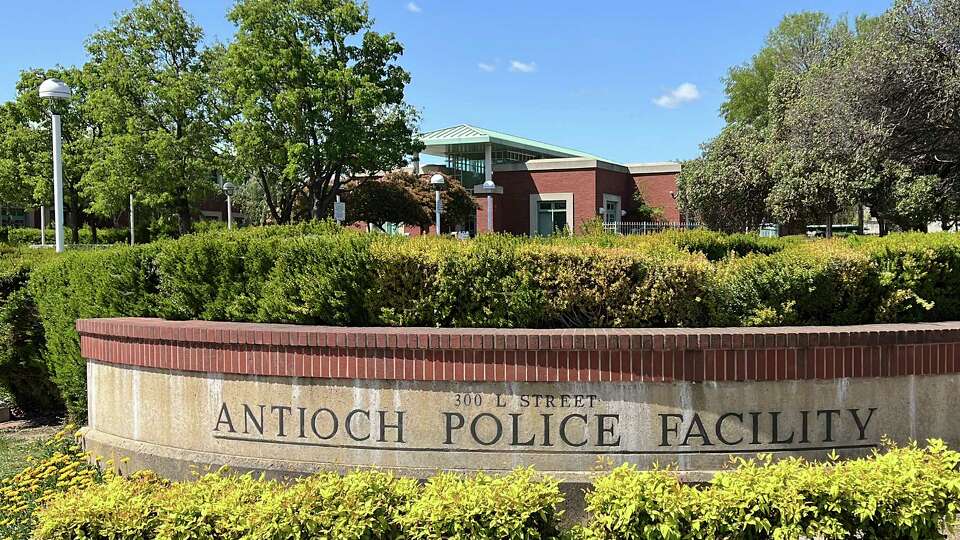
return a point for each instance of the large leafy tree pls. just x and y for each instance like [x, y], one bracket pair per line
[889, 102]
[795, 46]
[727, 186]
[150, 93]
[318, 98]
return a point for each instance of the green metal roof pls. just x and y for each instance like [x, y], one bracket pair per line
[436, 141]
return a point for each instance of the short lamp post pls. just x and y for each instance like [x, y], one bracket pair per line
[488, 188]
[56, 90]
[437, 181]
[229, 189]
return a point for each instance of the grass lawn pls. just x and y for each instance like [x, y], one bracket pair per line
[15, 446]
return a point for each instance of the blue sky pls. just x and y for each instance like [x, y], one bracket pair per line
[627, 80]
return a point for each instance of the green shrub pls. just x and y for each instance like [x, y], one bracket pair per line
[589, 287]
[28, 236]
[898, 494]
[84, 284]
[520, 505]
[445, 282]
[22, 371]
[919, 273]
[824, 283]
[358, 506]
[652, 505]
[319, 273]
[319, 280]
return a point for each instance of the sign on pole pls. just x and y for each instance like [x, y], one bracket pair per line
[339, 211]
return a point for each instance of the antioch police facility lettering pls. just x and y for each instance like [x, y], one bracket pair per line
[571, 422]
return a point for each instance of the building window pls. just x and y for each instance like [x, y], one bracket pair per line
[551, 217]
[551, 213]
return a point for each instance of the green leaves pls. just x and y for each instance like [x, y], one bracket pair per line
[361, 505]
[150, 96]
[316, 97]
[900, 493]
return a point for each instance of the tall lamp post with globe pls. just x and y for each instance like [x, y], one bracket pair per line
[229, 190]
[437, 181]
[56, 91]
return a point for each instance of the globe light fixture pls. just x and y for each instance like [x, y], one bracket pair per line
[56, 91]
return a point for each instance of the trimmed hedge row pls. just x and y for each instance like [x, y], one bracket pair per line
[321, 274]
[27, 236]
[901, 493]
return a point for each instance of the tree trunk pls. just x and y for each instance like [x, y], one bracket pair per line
[828, 231]
[860, 218]
[93, 232]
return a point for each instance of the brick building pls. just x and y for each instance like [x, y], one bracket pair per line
[542, 188]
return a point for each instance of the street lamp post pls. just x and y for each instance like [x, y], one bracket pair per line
[488, 188]
[229, 189]
[56, 90]
[437, 182]
[131, 220]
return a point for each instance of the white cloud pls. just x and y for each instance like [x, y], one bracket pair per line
[684, 93]
[486, 67]
[523, 67]
[413, 8]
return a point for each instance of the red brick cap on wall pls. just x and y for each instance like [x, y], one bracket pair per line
[486, 354]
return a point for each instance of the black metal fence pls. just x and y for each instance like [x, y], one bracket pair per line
[648, 227]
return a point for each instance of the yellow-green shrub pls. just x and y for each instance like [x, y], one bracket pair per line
[213, 506]
[629, 503]
[359, 506]
[903, 493]
[118, 508]
[61, 467]
[759, 498]
[520, 505]
[898, 494]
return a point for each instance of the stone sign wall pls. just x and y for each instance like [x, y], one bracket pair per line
[174, 395]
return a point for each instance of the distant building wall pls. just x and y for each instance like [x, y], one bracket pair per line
[658, 190]
[513, 206]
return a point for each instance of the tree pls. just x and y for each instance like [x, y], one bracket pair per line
[318, 98]
[402, 197]
[394, 198]
[19, 164]
[885, 106]
[150, 95]
[727, 186]
[797, 44]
